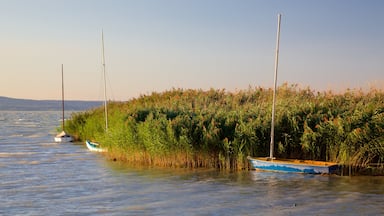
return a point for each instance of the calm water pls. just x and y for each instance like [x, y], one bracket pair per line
[40, 177]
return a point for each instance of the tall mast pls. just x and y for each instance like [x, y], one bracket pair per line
[274, 87]
[105, 83]
[62, 95]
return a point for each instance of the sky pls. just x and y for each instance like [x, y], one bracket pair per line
[156, 45]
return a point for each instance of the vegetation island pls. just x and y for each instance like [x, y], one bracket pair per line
[219, 129]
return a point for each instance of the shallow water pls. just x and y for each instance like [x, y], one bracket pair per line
[40, 177]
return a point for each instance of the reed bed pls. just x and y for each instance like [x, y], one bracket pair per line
[219, 129]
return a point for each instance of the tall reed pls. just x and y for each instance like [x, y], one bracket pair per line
[216, 128]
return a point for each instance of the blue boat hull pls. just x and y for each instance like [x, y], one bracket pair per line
[289, 166]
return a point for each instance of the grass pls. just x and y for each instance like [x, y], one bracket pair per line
[219, 129]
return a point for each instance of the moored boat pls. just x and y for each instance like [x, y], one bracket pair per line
[63, 136]
[93, 146]
[294, 165]
[287, 165]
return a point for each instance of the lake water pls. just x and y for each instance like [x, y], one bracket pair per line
[40, 177]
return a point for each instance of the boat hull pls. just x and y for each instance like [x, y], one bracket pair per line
[293, 166]
[63, 137]
[92, 146]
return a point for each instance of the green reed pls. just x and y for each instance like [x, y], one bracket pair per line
[216, 128]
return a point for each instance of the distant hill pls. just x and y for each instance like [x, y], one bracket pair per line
[12, 104]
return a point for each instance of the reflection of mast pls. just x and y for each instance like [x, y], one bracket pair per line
[274, 88]
[105, 83]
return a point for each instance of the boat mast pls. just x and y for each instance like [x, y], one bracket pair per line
[105, 83]
[274, 88]
[62, 95]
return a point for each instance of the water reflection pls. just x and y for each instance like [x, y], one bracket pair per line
[267, 193]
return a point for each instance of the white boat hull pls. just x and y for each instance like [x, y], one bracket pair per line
[63, 137]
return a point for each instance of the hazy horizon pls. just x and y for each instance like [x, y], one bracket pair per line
[154, 46]
[335, 90]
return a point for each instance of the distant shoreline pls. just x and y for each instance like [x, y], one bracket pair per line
[13, 104]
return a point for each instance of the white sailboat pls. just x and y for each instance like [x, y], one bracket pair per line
[63, 136]
[94, 146]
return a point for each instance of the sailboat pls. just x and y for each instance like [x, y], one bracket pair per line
[94, 146]
[287, 165]
[63, 136]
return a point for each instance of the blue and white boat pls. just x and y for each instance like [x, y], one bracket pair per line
[95, 147]
[294, 166]
[287, 165]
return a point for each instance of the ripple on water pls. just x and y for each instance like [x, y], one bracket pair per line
[40, 177]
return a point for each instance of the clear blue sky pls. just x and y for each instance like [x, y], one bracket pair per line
[155, 45]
